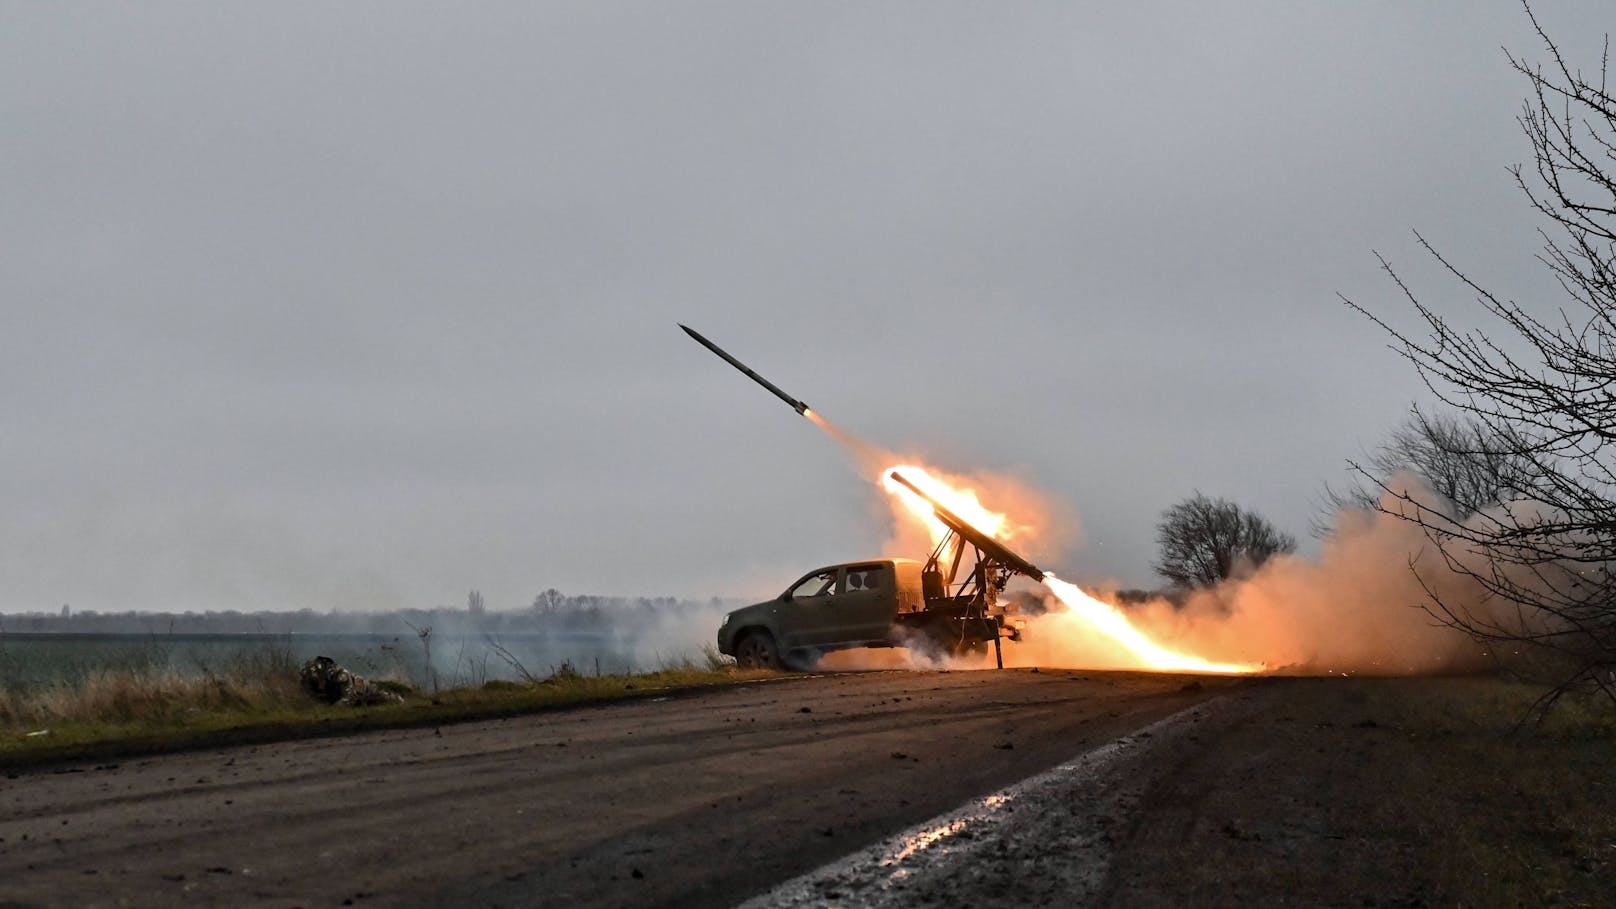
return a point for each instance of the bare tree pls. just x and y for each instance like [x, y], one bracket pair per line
[1546, 383]
[1456, 456]
[549, 602]
[1204, 541]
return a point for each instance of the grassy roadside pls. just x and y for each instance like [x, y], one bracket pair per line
[1405, 792]
[117, 715]
[1503, 813]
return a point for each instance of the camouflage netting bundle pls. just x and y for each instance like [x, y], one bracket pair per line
[326, 681]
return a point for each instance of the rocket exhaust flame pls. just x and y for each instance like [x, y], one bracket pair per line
[1113, 624]
[911, 485]
[920, 483]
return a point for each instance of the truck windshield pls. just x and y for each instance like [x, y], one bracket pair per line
[821, 584]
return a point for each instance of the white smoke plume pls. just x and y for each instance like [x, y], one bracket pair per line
[1360, 606]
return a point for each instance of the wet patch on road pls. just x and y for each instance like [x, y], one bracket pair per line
[1046, 840]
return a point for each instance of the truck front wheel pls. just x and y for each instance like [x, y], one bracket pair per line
[756, 650]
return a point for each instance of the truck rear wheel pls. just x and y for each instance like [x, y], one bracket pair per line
[756, 650]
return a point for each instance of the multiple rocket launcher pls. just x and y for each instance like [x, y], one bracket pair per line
[970, 614]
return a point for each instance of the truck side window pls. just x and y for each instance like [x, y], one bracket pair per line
[821, 584]
[875, 578]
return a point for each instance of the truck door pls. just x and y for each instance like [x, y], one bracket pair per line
[868, 603]
[808, 616]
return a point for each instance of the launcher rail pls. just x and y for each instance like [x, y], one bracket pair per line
[970, 602]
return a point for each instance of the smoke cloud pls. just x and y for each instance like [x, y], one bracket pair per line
[1360, 606]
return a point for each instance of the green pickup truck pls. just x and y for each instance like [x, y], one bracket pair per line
[880, 603]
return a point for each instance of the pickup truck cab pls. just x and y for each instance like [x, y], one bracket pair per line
[855, 604]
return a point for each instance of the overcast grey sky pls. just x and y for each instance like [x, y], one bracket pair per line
[364, 305]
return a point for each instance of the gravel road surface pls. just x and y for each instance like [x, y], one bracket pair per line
[704, 798]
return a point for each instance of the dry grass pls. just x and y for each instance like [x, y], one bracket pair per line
[123, 696]
[121, 711]
[122, 691]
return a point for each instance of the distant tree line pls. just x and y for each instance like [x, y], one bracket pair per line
[551, 611]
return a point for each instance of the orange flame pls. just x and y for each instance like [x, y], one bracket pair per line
[1113, 624]
[1100, 616]
[962, 502]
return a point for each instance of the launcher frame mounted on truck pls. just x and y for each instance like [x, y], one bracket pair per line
[962, 611]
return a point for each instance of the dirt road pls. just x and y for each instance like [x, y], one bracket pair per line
[701, 799]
